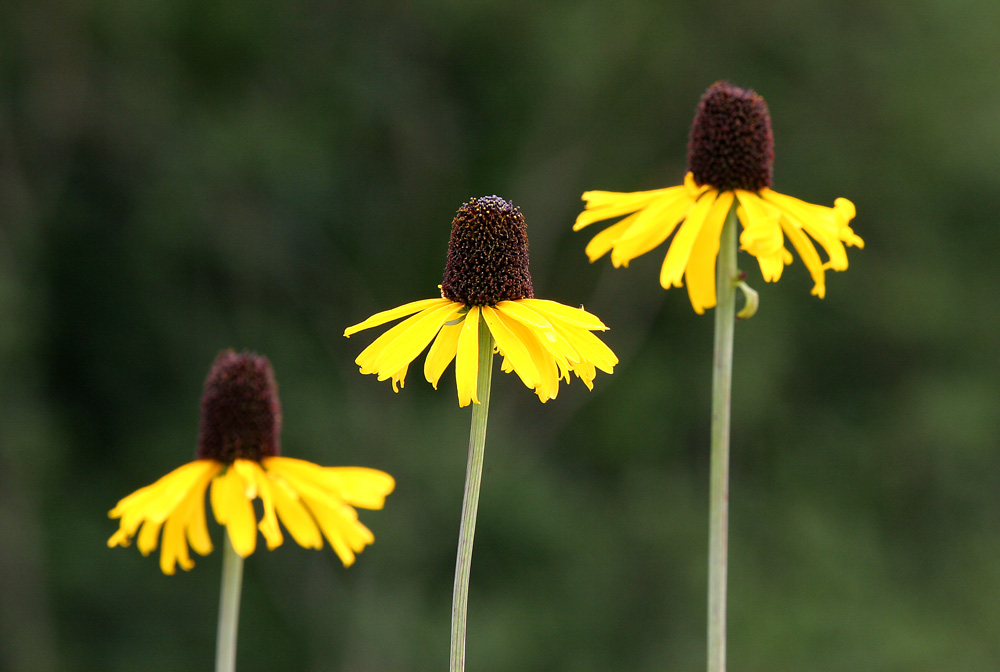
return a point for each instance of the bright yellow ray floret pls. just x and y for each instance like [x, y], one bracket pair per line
[697, 214]
[311, 501]
[541, 341]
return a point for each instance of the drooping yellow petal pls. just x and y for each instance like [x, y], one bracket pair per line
[337, 521]
[653, 226]
[411, 342]
[442, 351]
[809, 257]
[604, 241]
[233, 508]
[393, 314]
[153, 504]
[592, 349]
[187, 523]
[252, 473]
[844, 212]
[542, 327]
[569, 314]
[700, 273]
[341, 527]
[680, 248]
[533, 340]
[828, 226]
[390, 354]
[293, 513]
[467, 359]
[510, 346]
[762, 234]
[158, 500]
[149, 537]
[358, 486]
[609, 204]
[197, 529]
[175, 548]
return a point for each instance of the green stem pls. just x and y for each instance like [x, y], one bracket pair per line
[229, 608]
[470, 503]
[718, 514]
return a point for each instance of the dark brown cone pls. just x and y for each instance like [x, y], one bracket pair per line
[731, 144]
[487, 254]
[240, 411]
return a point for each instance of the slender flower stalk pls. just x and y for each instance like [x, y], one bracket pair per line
[229, 609]
[470, 501]
[487, 306]
[728, 182]
[238, 461]
[718, 512]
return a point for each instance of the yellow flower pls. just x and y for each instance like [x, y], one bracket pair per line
[730, 159]
[237, 451]
[486, 278]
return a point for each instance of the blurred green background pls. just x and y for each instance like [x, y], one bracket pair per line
[178, 177]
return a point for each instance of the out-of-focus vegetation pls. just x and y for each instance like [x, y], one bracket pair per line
[178, 177]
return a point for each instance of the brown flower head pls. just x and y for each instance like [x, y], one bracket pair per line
[731, 144]
[487, 254]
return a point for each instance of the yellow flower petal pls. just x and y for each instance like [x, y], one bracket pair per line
[608, 204]
[809, 257]
[533, 339]
[548, 336]
[183, 525]
[252, 473]
[467, 359]
[295, 516]
[358, 486]
[175, 549]
[149, 537]
[510, 346]
[604, 241]
[653, 226]
[592, 349]
[442, 351]
[172, 495]
[762, 234]
[369, 356]
[680, 248]
[393, 314]
[233, 508]
[700, 273]
[158, 500]
[577, 316]
[828, 226]
[346, 534]
[411, 341]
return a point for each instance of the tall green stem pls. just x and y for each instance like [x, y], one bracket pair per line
[470, 503]
[718, 513]
[229, 608]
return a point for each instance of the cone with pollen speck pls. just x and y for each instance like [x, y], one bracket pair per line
[731, 144]
[487, 254]
[240, 411]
